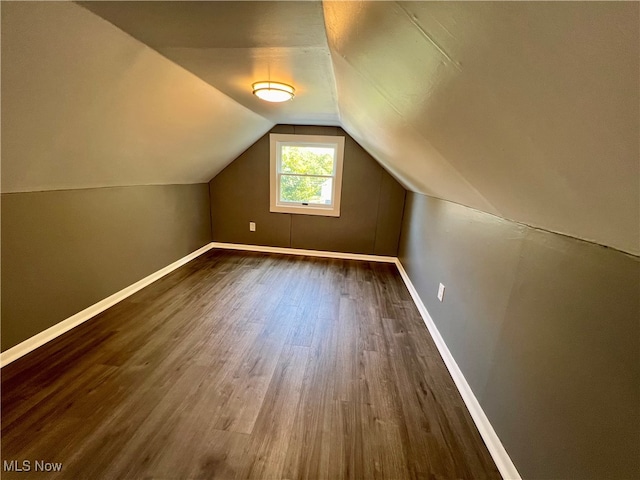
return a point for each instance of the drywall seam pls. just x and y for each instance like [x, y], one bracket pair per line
[414, 21]
[73, 321]
[494, 445]
[307, 253]
[407, 126]
[375, 232]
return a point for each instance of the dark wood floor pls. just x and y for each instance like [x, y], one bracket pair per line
[246, 365]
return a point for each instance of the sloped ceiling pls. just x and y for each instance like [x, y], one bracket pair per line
[524, 109]
[528, 110]
[85, 105]
[231, 45]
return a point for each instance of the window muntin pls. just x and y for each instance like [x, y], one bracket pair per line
[306, 174]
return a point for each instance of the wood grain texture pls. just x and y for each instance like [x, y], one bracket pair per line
[244, 365]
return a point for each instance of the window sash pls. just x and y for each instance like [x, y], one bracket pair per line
[281, 145]
[309, 202]
[281, 174]
[335, 147]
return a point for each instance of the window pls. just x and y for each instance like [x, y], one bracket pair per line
[306, 174]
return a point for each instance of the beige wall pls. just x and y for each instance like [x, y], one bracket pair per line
[545, 329]
[62, 251]
[371, 208]
[84, 105]
[527, 110]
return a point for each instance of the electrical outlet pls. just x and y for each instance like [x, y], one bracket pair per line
[252, 226]
[441, 292]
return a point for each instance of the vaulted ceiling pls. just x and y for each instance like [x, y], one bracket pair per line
[526, 110]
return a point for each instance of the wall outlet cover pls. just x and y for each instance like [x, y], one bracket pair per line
[441, 292]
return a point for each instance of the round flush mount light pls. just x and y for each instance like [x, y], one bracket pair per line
[273, 91]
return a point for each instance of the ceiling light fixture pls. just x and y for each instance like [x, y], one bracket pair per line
[273, 91]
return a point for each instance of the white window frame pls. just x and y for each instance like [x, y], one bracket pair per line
[277, 141]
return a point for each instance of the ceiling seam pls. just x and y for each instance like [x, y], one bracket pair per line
[411, 128]
[414, 20]
[333, 70]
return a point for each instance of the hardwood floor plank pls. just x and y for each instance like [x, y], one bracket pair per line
[346, 456]
[382, 445]
[271, 434]
[243, 365]
[308, 451]
[252, 377]
[345, 328]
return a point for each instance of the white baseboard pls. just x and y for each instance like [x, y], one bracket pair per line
[58, 329]
[500, 456]
[496, 449]
[308, 253]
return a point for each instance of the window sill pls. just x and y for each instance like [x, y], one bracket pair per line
[303, 210]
